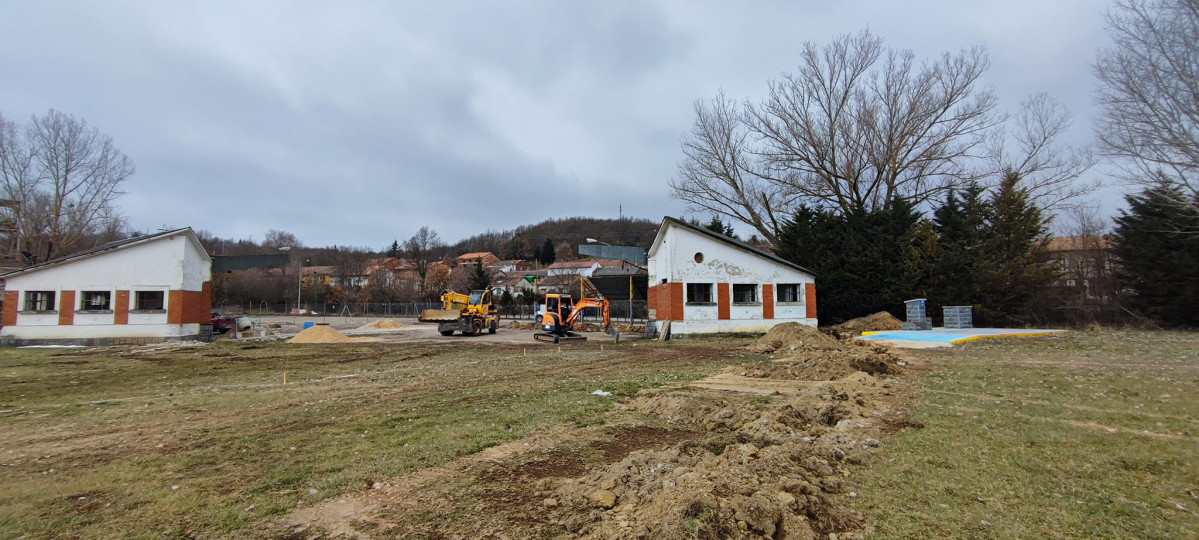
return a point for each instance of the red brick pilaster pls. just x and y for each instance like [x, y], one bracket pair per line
[810, 299]
[722, 300]
[66, 308]
[120, 308]
[9, 318]
[767, 301]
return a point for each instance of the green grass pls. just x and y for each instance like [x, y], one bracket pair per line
[1088, 434]
[208, 441]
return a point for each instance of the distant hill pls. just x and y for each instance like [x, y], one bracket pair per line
[521, 242]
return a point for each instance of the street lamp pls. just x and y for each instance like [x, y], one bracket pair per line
[299, 279]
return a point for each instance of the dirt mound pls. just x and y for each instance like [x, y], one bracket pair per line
[761, 470]
[870, 323]
[517, 325]
[382, 324]
[319, 334]
[827, 365]
[792, 336]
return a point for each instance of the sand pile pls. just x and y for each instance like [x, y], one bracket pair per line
[381, 324]
[870, 323]
[319, 334]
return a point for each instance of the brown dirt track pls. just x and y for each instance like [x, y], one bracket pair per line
[759, 450]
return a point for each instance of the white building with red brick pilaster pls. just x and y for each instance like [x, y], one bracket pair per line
[148, 288]
[707, 283]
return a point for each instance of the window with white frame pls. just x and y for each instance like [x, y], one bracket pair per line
[95, 301]
[745, 293]
[39, 300]
[789, 292]
[150, 300]
[699, 293]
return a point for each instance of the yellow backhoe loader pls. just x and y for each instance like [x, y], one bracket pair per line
[467, 314]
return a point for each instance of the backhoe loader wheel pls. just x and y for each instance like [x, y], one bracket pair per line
[491, 327]
[476, 327]
[447, 332]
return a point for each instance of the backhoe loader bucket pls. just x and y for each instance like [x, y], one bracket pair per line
[439, 315]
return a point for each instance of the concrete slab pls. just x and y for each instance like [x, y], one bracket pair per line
[948, 336]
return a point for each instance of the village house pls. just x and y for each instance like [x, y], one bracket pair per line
[702, 282]
[486, 257]
[141, 289]
[577, 268]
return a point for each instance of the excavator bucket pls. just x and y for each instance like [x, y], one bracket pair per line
[439, 315]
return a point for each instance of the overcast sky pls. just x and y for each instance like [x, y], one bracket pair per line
[356, 123]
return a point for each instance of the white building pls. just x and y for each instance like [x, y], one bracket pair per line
[141, 289]
[707, 283]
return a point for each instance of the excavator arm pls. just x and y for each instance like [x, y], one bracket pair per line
[586, 303]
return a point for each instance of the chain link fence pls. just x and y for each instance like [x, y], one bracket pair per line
[619, 311]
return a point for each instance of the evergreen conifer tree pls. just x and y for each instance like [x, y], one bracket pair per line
[1014, 268]
[1157, 245]
[546, 256]
[479, 278]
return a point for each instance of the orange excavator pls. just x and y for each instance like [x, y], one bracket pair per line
[560, 314]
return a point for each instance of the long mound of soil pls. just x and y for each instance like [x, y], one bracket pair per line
[792, 336]
[382, 324]
[319, 334]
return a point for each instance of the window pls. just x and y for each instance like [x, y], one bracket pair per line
[699, 293]
[745, 294]
[150, 300]
[790, 292]
[39, 301]
[95, 301]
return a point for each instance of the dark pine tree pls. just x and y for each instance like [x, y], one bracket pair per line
[1015, 268]
[720, 227]
[961, 227]
[1156, 242]
[546, 256]
[479, 278]
[394, 250]
[863, 260]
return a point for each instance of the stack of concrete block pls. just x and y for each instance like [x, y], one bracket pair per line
[917, 318]
[959, 316]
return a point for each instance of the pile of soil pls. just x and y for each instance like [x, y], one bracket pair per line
[811, 355]
[319, 334]
[792, 336]
[871, 323]
[773, 470]
[381, 324]
[517, 325]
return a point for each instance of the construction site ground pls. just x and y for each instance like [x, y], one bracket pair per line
[793, 435]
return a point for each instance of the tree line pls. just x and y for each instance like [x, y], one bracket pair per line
[893, 178]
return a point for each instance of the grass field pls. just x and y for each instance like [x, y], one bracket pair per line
[206, 441]
[1083, 435]
[1087, 434]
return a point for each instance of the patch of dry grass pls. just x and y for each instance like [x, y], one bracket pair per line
[208, 441]
[1087, 434]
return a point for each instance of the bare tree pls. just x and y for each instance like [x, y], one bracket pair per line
[1050, 171]
[423, 249]
[1149, 90]
[857, 126]
[722, 174]
[65, 176]
[279, 239]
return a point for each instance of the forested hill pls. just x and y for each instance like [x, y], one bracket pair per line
[524, 240]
